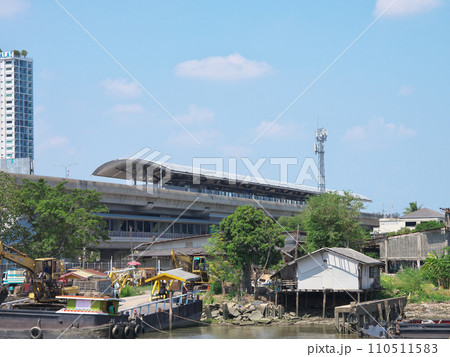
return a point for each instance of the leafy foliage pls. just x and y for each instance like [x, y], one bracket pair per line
[128, 291]
[49, 221]
[291, 223]
[10, 213]
[249, 239]
[413, 206]
[422, 226]
[331, 220]
[411, 283]
[437, 268]
[221, 270]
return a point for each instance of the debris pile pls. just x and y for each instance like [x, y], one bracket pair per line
[428, 310]
[254, 314]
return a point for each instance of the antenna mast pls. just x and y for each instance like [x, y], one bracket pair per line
[321, 137]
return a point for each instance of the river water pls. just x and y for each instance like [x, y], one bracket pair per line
[251, 332]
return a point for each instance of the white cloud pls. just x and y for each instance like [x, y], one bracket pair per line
[9, 8]
[196, 115]
[206, 137]
[405, 90]
[405, 7]
[377, 133]
[124, 109]
[121, 88]
[230, 68]
[279, 130]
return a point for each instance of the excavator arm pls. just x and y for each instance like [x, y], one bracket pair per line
[13, 255]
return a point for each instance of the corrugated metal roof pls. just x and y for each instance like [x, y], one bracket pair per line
[423, 213]
[179, 273]
[84, 274]
[346, 252]
[353, 254]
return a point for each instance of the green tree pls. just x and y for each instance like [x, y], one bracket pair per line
[291, 223]
[24, 53]
[16, 53]
[10, 213]
[437, 268]
[413, 206]
[220, 268]
[250, 239]
[60, 223]
[331, 220]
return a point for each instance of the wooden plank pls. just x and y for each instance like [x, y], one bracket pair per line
[380, 312]
[387, 310]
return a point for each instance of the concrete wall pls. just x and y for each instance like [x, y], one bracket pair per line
[414, 246]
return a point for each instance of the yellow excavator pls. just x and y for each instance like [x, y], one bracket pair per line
[42, 275]
[196, 264]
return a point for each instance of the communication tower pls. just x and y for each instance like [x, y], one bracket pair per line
[321, 137]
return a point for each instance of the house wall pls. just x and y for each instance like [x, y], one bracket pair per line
[388, 225]
[333, 272]
[414, 246]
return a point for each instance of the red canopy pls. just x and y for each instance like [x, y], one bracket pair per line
[133, 262]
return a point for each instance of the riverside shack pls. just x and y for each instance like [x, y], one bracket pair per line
[335, 271]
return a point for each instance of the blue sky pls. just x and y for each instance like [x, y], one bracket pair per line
[226, 70]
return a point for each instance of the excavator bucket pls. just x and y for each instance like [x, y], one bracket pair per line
[3, 293]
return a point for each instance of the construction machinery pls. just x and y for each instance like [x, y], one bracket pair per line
[196, 264]
[41, 275]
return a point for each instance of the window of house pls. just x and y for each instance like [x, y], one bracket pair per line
[373, 271]
[410, 224]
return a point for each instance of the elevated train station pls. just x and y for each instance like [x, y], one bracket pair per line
[159, 201]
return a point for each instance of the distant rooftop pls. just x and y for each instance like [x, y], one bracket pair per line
[423, 213]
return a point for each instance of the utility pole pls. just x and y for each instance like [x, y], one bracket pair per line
[321, 137]
[66, 168]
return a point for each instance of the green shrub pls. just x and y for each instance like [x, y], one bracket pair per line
[425, 226]
[215, 287]
[127, 291]
[412, 284]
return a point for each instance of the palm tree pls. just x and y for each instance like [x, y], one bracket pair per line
[24, 53]
[413, 206]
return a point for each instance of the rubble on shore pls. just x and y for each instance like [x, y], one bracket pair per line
[428, 311]
[257, 313]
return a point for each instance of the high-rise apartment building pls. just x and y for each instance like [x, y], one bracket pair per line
[16, 106]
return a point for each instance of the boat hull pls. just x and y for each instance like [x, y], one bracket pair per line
[18, 323]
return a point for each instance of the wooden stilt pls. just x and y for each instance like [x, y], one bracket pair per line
[324, 303]
[296, 303]
[359, 297]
